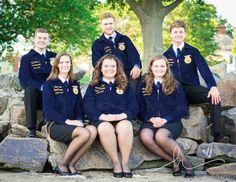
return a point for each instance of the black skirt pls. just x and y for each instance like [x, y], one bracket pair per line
[60, 132]
[174, 127]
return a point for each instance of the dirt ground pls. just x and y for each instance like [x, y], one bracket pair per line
[150, 175]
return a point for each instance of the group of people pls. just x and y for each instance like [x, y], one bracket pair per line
[116, 96]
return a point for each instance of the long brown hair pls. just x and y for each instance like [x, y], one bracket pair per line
[55, 70]
[120, 77]
[169, 83]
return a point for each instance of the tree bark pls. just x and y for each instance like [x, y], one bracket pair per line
[151, 14]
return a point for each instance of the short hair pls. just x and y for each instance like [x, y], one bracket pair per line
[107, 15]
[41, 30]
[177, 24]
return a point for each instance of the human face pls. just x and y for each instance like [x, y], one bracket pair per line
[108, 26]
[64, 66]
[159, 68]
[178, 35]
[109, 69]
[41, 40]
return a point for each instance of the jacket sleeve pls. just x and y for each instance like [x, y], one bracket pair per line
[204, 69]
[78, 110]
[89, 102]
[132, 53]
[96, 53]
[132, 110]
[181, 106]
[51, 114]
[25, 76]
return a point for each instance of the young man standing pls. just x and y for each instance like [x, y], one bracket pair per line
[184, 61]
[35, 67]
[112, 42]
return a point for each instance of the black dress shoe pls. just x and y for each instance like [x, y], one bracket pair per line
[31, 134]
[60, 172]
[128, 174]
[189, 174]
[118, 175]
[76, 173]
[177, 172]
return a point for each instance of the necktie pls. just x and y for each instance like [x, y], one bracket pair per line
[158, 85]
[178, 53]
[110, 39]
[110, 85]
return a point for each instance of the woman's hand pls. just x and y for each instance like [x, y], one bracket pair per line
[112, 117]
[215, 95]
[74, 122]
[157, 121]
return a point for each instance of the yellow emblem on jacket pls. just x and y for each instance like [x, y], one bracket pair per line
[187, 59]
[121, 46]
[119, 91]
[75, 89]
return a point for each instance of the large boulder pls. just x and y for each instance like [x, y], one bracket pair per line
[229, 118]
[225, 169]
[3, 103]
[195, 127]
[96, 157]
[220, 150]
[28, 154]
[227, 89]
[4, 129]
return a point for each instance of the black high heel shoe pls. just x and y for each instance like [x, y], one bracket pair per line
[189, 171]
[60, 172]
[176, 172]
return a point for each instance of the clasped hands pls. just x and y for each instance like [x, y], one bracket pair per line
[157, 121]
[112, 117]
[74, 122]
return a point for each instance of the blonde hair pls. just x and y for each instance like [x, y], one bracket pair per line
[120, 77]
[178, 24]
[169, 83]
[55, 70]
[107, 15]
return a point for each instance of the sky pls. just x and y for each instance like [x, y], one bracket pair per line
[225, 8]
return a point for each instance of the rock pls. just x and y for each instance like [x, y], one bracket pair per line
[189, 146]
[96, 157]
[4, 129]
[195, 127]
[17, 114]
[5, 79]
[79, 72]
[28, 154]
[225, 169]
[212, 150]
[227, 90]
[3, 103]
[21, 131]
[220, 69]
[15, 83]
[229, 119]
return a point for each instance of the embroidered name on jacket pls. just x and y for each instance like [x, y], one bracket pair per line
[36, 64]
[145, 93]
[58, 89]
[99, 89]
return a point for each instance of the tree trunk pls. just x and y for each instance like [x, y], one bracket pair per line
[152, 38]
[151, 14]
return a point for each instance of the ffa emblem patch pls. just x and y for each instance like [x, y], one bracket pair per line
[187, 59]
[75, 89]
[52, 61]
[121, 46]
[119, 91]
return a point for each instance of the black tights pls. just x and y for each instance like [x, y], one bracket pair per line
[162, 144]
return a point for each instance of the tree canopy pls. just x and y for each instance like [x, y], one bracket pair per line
[68, 21]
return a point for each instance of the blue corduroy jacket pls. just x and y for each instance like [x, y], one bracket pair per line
[124, 49]
[105, 99]
[62, 101]
[172, 107]
[185, 68]
[35, 68]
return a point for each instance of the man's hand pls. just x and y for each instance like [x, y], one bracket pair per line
[135, 72]
[215, 95]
